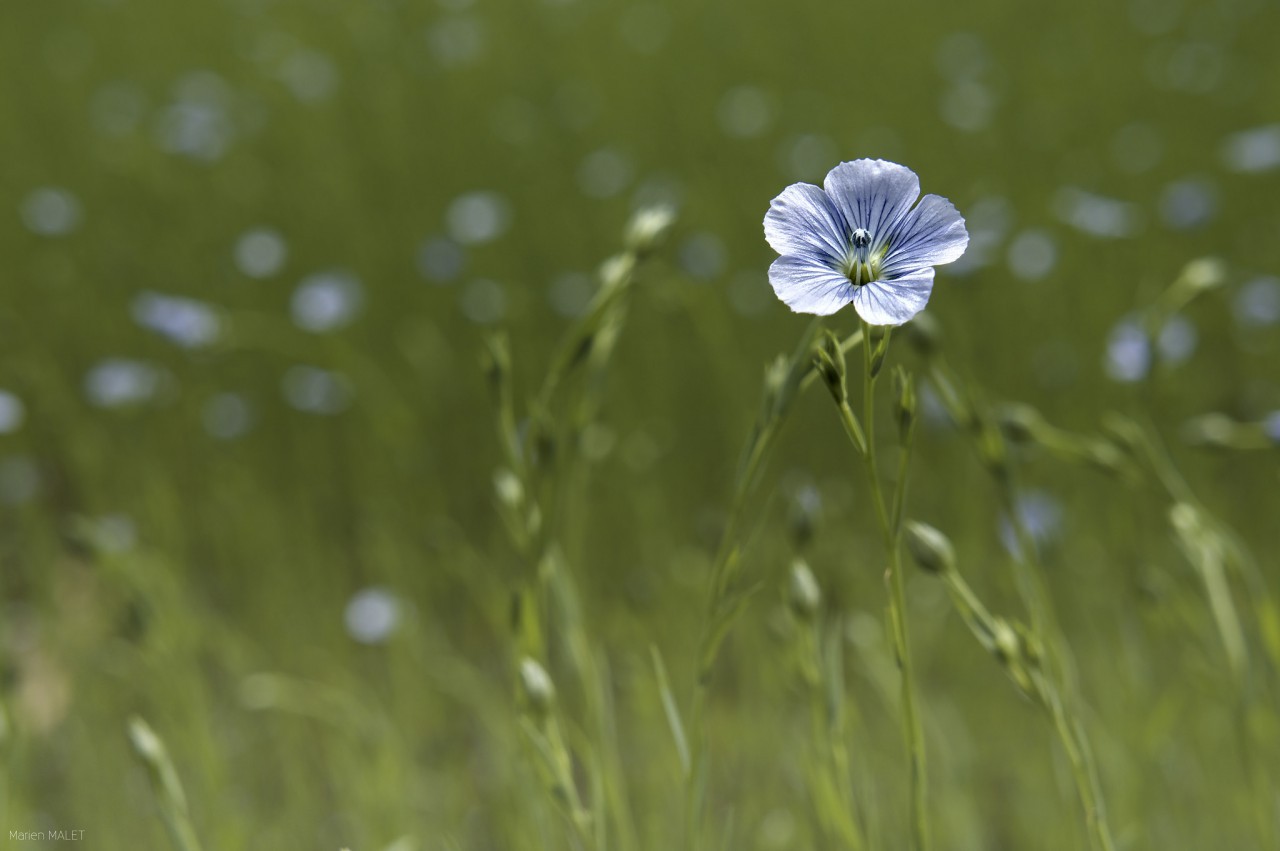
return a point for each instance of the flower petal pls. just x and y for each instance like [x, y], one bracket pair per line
[802, 220]
[894, 302]
[873, 194]
[807, 286]
[931, 234]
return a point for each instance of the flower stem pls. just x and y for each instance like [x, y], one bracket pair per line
[891, 530]
[1083, 768]
[725, 599]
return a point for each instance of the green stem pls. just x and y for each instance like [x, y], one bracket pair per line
[1221, 606]
[1084, 769]
[830, 751]
[1060, 688]
[1034, 592]
[912, 731]
[800, 375]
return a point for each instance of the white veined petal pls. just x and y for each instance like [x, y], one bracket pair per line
[931, 234]
[807, 286]
[894, 302]
[802, 220]
[873, 194]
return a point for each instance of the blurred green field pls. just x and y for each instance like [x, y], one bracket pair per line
[250, 253]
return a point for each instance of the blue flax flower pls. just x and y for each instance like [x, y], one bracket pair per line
[858, 239]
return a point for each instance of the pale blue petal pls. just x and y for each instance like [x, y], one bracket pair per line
[894, 302]
[931, 234]
[873, 194]
[807, 286]
[802, 220]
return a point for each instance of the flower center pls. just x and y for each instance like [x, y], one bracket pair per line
[861, 265]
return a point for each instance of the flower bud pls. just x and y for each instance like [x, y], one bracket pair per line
[1204, 274]
[1124, 432]
[880, 352]
[1186, 521]
[1213, 429]
[1107, 457]
[929, 547]
[828, 360]
[144, 740]
[615, 271]
[904, 384]
[496, 362]
[507, 487]
[1020, 423]
[648, 226]
[806, 510]
[1005, 641]
[536, 685]
[1008, 649]
[803, 593]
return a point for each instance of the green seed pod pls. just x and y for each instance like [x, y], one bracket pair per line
[930, 548]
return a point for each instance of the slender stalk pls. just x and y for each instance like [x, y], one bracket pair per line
[540, 495]
[1029, 575]
[1056, 689]
[1033, 682]
[1212, 568]
[1044, 625]
[791, 377]
[831, 786]
[1084, 769]
[891, 530]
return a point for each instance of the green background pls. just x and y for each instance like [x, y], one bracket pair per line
[148, 567]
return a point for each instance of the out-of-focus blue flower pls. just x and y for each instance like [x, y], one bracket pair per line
[372, 615]
[119, 382]
[859, 240]
[1271, 426]
[183, 321]
[1040, 516]
[1128, 352]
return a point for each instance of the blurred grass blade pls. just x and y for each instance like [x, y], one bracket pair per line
[168, 788]
[671, 710]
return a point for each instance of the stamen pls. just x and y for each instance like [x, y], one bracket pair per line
[859, 266]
